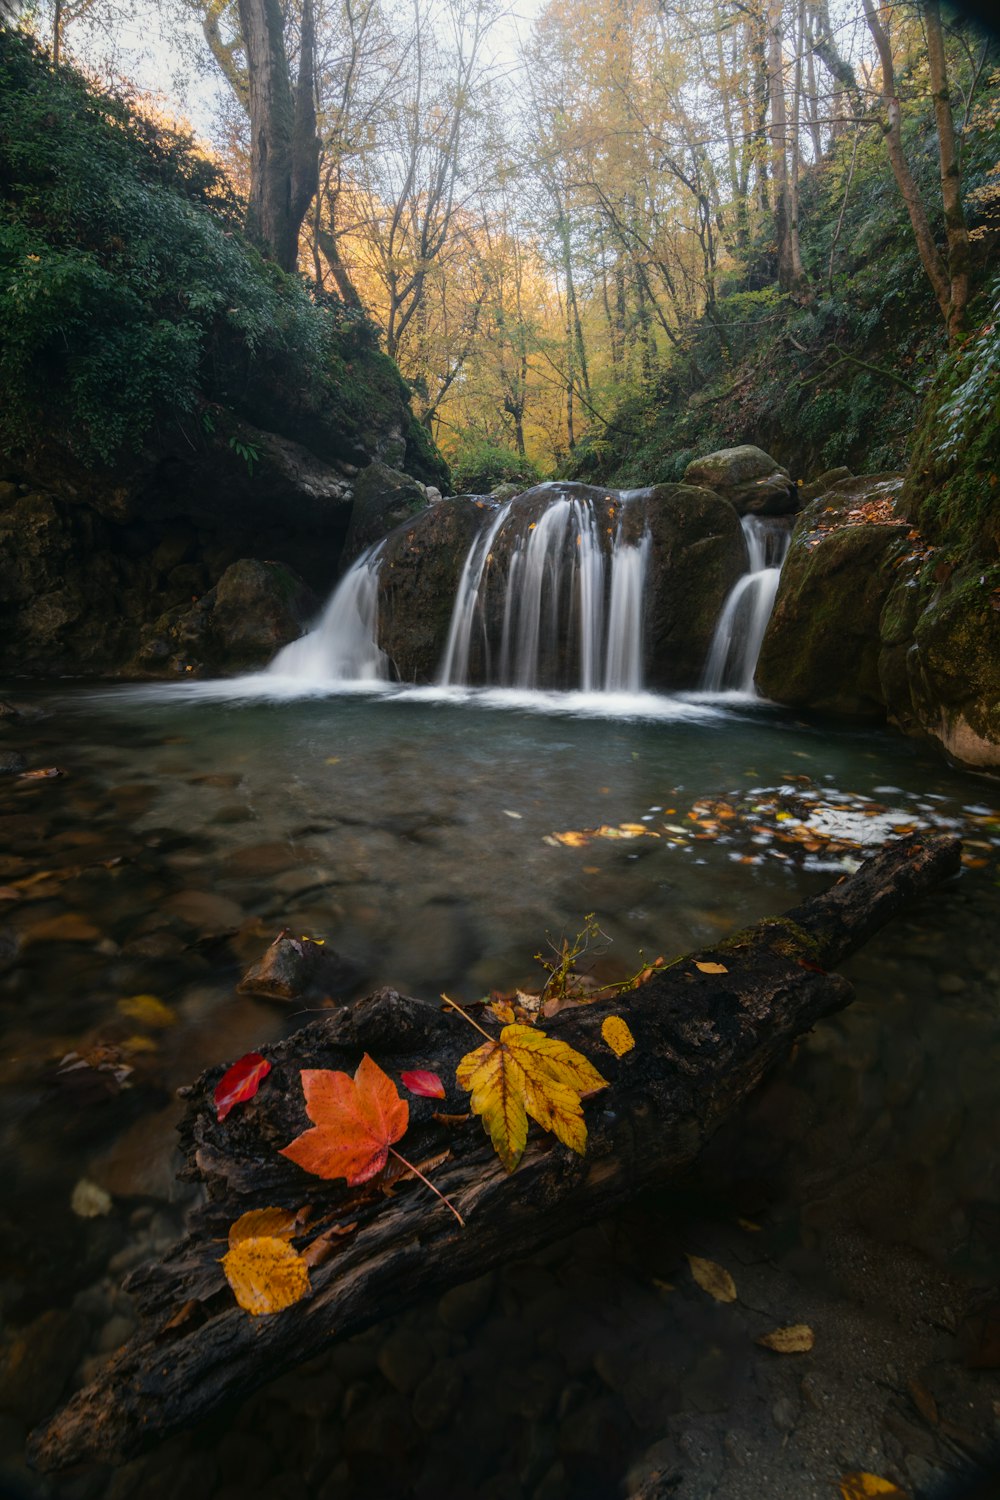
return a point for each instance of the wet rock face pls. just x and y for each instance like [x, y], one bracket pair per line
[749, 478]
[383, 499]
[698, 553]
[254, 610]
[421, 567]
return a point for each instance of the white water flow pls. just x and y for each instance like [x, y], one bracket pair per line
[537, 594]
[343, 646]
[739, 635]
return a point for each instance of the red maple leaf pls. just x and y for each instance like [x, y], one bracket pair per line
[355, 1122]
[240, 1082]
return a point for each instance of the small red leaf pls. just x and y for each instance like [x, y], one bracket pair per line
[427, 1085]
[240, 1082]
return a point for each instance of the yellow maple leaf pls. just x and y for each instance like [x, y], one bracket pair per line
[616, 1033]
[266, 1274]
[527, 1073]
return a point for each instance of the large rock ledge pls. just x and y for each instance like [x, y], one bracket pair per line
[205, 561]
[872, 620]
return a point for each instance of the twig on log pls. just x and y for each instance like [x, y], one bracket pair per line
[703, 1042]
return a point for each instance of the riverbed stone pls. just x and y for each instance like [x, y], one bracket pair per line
[462, 1307]
[297, 966]
[39, 1361]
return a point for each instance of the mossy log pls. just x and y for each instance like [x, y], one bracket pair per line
[703, 1042]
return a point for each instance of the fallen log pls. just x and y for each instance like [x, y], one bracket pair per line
[703, 1042]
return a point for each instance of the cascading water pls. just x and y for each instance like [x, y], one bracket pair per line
[739, 635]
[551, 597]
[343, 646]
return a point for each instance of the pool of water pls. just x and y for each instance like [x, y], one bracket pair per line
[437, 840]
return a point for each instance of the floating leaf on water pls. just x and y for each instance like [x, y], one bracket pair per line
[266, 1274]
[43, 775]
[509, 814]
[572, 839]
[711, 968]
[240, 1082]
[426, 1085]
[861, 1486]
[616, 1033]
[147, 1010]
[713, 1279]
[797, 1338]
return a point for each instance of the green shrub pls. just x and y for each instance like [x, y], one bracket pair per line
[479, 466]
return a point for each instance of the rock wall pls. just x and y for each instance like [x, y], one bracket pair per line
[875, 620]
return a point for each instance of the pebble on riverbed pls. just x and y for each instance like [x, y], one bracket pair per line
[293, 967]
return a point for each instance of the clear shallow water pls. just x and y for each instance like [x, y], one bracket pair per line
[409, 828]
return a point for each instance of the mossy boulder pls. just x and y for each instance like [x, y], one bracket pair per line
[749, 478]
[822, 645]
[383, 499]
[951, 690]
[253, 610]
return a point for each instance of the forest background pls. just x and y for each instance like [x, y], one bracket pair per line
[600, 238]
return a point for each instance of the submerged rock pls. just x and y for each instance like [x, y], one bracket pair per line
[748, 478]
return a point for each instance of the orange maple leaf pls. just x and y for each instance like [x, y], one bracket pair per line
[355, 1122]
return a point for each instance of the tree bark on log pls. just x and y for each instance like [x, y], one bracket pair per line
[703, 1042]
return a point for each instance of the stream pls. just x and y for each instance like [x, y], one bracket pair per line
[437, 839]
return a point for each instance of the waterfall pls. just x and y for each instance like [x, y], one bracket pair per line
[739, 635]
[343, 645]
[551, 595]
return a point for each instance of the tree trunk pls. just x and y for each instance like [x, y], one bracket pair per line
[892, 133]
[703, 1041]
[791, 275]
[951, 177]
[284, 145]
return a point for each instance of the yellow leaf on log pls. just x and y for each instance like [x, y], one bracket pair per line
[797, 1338]
[525, 1073]
[616, 1033]
[266, 1274]
[711, 968]
[860, 1486]
[713, 1279]
[274, 1223]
